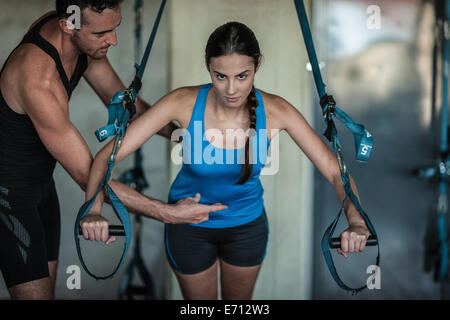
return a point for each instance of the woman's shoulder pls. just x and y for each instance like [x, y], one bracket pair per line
[185, 94]
[274, 104]
[183, 100]
[277, 109]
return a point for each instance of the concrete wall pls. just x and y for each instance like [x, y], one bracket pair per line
[383, 81]
[286, 272]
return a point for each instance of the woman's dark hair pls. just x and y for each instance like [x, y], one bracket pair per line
[95, 5]
[235, 37]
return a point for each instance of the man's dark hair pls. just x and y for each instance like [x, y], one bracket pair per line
[95, 5]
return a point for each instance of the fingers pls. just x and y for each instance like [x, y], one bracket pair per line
[217, 207]
[363, 243]
[190, 210]
[339, 250]
[97, 230]
[202, 211]
[111, 240]
[207, 209]
[352, 242]
[104, 230]
[188, 200]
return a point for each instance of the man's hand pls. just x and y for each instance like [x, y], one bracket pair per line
[190, 211]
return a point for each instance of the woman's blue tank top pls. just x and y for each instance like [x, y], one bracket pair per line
[214, 172]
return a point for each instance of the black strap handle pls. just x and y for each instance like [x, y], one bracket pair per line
[117, 231]
[336, 242]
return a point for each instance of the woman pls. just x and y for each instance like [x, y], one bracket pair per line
[235, 238]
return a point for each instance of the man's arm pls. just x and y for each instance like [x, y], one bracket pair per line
[106, 83]
[45, 101]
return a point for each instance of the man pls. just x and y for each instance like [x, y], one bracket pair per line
[35, 132]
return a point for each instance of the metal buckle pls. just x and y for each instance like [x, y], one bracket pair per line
[342, 165]
[328, 105]
[130, 99]
[115, 151]
[330, 110]
[129, 96]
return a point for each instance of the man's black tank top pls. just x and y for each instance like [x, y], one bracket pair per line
[24, 160]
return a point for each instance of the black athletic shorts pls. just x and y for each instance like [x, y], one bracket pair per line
[29, 232]
[191, 250]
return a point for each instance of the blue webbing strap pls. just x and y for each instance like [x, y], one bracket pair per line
[141, 68]
[116, 112]
[363, 145]
[135, 178]
[117, 125]
[115, 109]
[117, 205]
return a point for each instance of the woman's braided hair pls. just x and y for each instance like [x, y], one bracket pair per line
[235, 37]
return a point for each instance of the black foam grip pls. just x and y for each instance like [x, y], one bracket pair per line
[117, 231]
[336, 242]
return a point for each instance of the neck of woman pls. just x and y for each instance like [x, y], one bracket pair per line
[225, 113]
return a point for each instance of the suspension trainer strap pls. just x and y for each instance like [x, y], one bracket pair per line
[117, 125]
[135, 178]
[111, 128]
[363, 145]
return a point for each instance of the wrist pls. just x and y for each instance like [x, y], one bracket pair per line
[166, 213]
[95, 212]
[357, 223]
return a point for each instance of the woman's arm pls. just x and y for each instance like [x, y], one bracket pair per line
[283, 116]
[142, 129]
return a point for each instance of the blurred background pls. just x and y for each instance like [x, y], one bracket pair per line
[376, 59]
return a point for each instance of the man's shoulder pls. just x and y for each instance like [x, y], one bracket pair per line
[31, 73]
[33, 64]
[34, 61]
